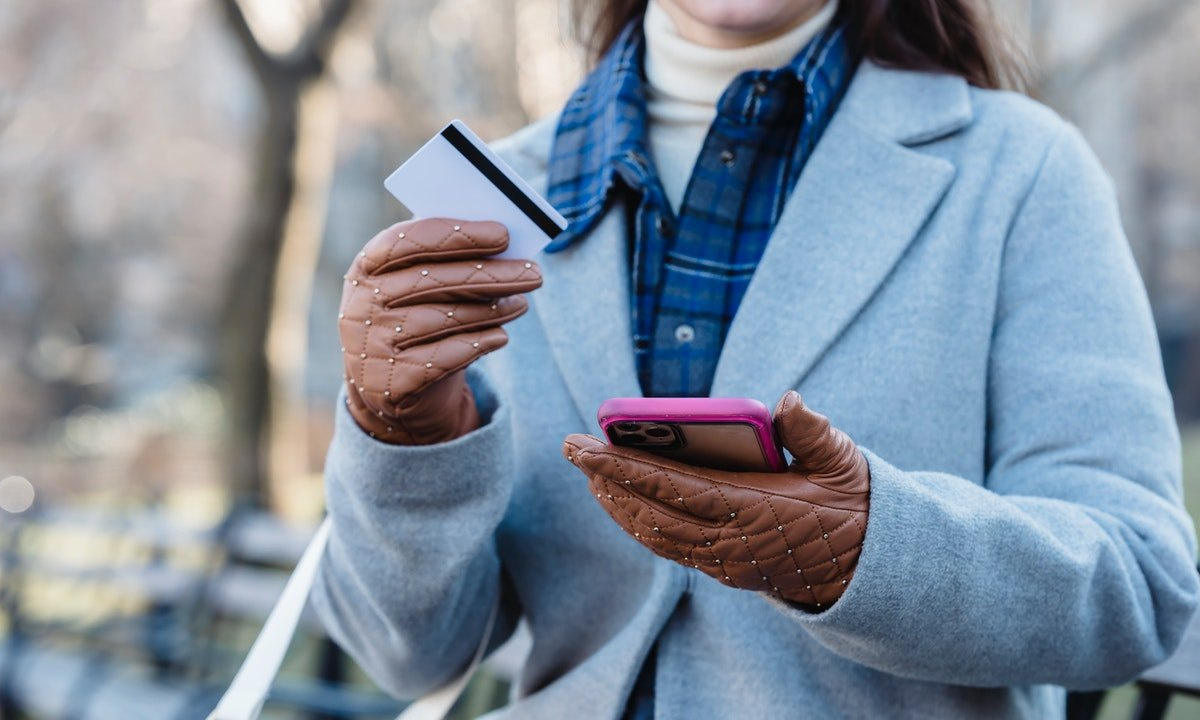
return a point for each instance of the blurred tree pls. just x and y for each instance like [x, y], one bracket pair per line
[1135, 33]
[283, 70]
[1126, 73]
[397, 73]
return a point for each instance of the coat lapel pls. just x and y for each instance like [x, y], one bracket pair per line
[860, 202]
[584, 307]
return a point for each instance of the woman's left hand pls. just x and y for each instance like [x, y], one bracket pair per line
[796, 534]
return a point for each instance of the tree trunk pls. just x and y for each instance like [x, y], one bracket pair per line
[243, 367]
[287, 333]
[245, 317]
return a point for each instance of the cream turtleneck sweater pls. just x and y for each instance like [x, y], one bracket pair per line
[684, 81]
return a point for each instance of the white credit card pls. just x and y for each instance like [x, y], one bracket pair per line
[455, 175]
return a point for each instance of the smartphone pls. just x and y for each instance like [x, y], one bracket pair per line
[720, 433]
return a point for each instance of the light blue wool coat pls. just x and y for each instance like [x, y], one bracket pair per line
[951, 286]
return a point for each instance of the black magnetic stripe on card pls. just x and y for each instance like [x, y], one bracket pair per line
[497, 177]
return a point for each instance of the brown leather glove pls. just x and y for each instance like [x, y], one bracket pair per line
[796, 534]
[422, 301]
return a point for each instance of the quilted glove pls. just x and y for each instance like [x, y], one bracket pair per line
[421, 302]
[796, 534]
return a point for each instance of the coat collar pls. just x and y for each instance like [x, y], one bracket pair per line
[907, 107]
[861, 201]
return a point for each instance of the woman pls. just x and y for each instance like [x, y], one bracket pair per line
[765, 197]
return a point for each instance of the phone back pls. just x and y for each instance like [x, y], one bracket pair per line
[721, 433]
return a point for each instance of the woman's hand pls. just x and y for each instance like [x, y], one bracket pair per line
[422, 301]
[797, 534]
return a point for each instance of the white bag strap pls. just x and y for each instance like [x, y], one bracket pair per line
[246, 694]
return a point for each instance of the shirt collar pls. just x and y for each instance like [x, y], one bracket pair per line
[601, 133]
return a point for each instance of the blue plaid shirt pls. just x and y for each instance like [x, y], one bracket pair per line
[690, 271]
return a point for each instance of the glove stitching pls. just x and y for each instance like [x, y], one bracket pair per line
[417, 314]
[669, 549]
[437, 247]
[862, 530]
[682, 469]
[776, 579]
[437, 346]
[649, 538]
[724, 499]
[832, 583]
[391, 367]
[636, 480]
[681, 498]
[828, 545]
[413, 363]
[361, 400]
[470, 238]
[771, 557]
[426, 254]
[753, 562]
[653, 541]
[790, 551]
[839, 556]
[640, 478]
[392, 248]
[412, 292]
[772, 493]
[362, 365]
[653, 510]
[666, 508]
[681, 548]
[818, 539]
[815, 479]
[851, 517]
[656, 528]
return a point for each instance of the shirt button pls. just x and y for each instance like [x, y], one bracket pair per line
[685, 333]
[728, 157]
[760, 87]
[662, 226]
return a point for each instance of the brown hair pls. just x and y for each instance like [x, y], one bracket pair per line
[951, 36]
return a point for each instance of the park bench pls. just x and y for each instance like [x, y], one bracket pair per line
[172, 657]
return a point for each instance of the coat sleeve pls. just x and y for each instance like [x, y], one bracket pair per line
[1074, 563]
[411, 571]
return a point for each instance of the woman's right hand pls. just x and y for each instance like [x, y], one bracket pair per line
[422, 301]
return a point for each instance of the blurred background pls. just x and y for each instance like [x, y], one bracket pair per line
[183, 183]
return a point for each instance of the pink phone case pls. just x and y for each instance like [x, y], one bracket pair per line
[720, 433]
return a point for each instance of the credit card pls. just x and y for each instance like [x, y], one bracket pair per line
[456, 175]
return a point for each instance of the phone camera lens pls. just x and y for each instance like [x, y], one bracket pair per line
[658, 432]
[628, 427]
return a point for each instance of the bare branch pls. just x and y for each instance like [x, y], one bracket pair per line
[261, 62]
[313, 49]
[307, 59]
